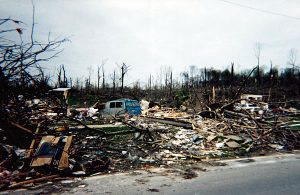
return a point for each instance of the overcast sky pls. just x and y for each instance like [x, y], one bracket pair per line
[147, 34]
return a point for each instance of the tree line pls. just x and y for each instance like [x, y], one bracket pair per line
[21, 73]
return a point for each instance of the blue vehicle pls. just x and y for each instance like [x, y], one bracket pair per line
[122, 106]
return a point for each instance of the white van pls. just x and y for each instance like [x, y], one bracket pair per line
[121, 106]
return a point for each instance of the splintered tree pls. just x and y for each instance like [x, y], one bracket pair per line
[167, 71]
[103, 74]
[232, 71]
[99, 69]
[98, 78]
[292, 60]
[62, 80]
[90, 70]
[124, 70]
[78, 84]
[270, 78]
[171, 83]
[257, 51]
[150, 83]
[43, 82]
[185, 79]
[192, 75]
[20, 57]
[205, 78]
[114, 79]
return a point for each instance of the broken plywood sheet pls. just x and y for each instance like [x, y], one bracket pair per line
[234, 138]
[232, 144]
[45, 160]
[64, 160]
[52, 151]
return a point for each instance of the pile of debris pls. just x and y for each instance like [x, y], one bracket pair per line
[41, 142]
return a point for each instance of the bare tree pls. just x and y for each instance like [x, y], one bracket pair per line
[90, 70]
[71, 82]
[58, 83]
[114, 80]
[168, 79]
[103, 78]
[103, 73]
[150, 82]
[171, 83]
[271, 71]
[98, 78]
[205, 77]
[232, 71]
[99, 69]
[257, 52]
[292, 59]
[62, 80]
[65, 79]
[192, 74]
[165, 74]
[19, 58]
[270, 80]
[43, 81]
[160, 76]
[124, 70]
[185, 79]
[78, 83]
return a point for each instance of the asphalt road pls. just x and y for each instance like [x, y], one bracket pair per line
[275, 176]
[266, 175]
[263, 175]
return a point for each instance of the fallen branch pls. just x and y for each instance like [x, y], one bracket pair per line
[46, 178]
[20, 127]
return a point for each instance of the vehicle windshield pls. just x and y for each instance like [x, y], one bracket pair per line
[132, 104]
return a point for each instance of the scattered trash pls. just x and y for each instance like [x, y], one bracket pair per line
[153, 190]
[189, 174]
[54, 144]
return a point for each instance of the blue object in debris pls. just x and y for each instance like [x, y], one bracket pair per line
[133, 107]
[197, 139]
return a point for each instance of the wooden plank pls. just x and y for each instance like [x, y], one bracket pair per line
[31, 148]
[40, 161]
[21, 127]
[64, 160]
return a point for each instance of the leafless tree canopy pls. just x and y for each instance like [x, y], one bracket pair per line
[292, 59]
[20, 58]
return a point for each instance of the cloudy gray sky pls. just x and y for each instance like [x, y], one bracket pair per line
[147, 34]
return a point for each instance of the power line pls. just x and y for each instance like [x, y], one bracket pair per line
[261, 10]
